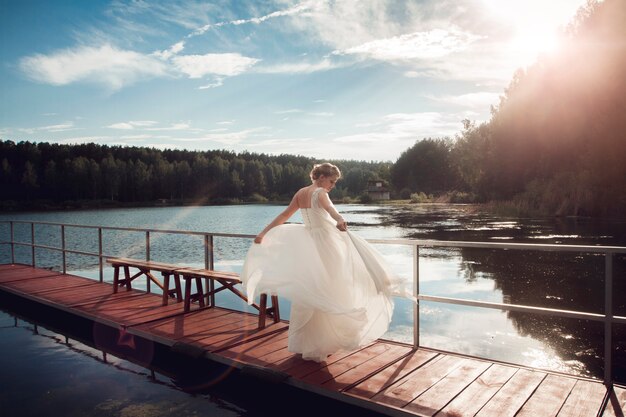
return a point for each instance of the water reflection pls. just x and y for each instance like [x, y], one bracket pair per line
[569, 281]
[59, 364]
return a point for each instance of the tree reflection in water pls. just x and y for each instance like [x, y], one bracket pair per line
[559, 280]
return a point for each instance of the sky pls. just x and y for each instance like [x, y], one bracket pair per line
[327, 79]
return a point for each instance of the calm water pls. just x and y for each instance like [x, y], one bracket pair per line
[573, 281]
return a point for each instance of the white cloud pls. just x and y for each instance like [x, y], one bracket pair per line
[173, 50]
[62, 127]
[104, 64]
[294, 10]
[479, 100]
[175, 126]
[231, 138]
[132, 124]
[300, 67]
[219, 81]
[404, 129]
[228, 64]
[418, 45]
[289, 111]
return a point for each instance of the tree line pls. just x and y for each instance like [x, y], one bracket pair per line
[59, 172]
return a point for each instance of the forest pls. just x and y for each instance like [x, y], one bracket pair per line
[554, 145]
[48, 174]
[556, 142]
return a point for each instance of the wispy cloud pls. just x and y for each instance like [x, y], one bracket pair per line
[61, 127]
[294, 10]
[198, 66]
[230, 138]
[419, 45]
[104, 64]
[472, 100]
[324, 64]
[132, 124]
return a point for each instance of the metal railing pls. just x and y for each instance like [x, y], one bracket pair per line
[608, 318]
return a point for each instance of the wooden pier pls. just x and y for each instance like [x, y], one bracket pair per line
[386, 377]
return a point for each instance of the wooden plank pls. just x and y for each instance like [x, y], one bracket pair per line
[343, 365]
[353, 368]
[584, 400]
[479, 392]
[512, 396]
[549, 397]
[414, 384]
[616, 406]
[367, 369]
[45, 283]
[179, 327]
[192, 321]
[376, 383]
[25, 274]
[444, 391]
[300, 368]
[254, 351]
[249, 330]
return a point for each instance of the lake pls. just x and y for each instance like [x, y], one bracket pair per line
[571, 281]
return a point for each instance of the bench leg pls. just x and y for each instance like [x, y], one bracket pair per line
[210, 294]
[127, 277]
[262, 310]
[199, 292]
[116, 278]
[174, 293]
[177, 289]
[187, 297]
[166, 288]
[275, 310]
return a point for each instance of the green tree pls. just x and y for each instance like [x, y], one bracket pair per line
[29, 180]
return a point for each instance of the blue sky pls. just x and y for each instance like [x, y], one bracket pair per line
[325, 79]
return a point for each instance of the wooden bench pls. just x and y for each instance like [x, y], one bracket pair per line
[228, 280]
[146, 268]
[191, 276]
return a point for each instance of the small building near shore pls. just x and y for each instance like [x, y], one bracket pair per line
[377, 190]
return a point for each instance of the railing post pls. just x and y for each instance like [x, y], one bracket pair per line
[148, 257]
[206, 251]
[64, 266]
[608, 319]
[32, 242]
[100, 264]
[416, 291]
[12, 244]
[209, 263]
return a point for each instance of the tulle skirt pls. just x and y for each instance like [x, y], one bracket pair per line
[337, 283]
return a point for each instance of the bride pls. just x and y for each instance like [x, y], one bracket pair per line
[338, 284]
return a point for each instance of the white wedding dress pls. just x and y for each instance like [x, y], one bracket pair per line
[338, 284]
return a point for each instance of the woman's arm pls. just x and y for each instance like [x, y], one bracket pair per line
[327, 205]
[280, 219]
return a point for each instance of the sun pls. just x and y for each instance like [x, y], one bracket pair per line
[528, 46]
[534, 26]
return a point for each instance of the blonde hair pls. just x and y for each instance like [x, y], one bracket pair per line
[326, 169]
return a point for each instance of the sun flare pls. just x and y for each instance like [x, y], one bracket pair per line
[534, 25]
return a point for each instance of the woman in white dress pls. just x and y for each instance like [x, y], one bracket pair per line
[338, 284]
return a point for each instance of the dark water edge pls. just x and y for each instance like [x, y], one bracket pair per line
[54, 363]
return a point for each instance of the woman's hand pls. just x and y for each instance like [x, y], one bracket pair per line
[258, 239]
[343, 226]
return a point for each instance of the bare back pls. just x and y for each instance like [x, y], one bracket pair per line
[303, 196]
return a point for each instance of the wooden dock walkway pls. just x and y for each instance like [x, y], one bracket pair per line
[385, 377]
